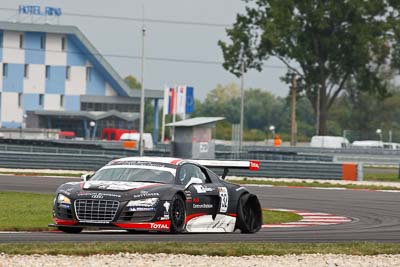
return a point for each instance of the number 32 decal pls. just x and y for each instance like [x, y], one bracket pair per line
[223, 194]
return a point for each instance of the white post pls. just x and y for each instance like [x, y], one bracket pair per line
[174, 112]
[141, 146]
[241, 105]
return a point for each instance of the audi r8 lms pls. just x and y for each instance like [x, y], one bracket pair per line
[158, 194]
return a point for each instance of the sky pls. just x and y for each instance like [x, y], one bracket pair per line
[120, 40]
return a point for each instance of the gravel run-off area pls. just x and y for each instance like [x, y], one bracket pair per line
[126, 259]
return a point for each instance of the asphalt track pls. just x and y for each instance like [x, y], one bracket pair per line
[376, 216]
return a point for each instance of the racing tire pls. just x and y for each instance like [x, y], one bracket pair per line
[70, 230]
[177, 215]
[249, 214]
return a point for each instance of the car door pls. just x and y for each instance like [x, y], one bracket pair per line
[201, 199]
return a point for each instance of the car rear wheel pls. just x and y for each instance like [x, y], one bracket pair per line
[177, 215]
[249, 215]
[70, 230]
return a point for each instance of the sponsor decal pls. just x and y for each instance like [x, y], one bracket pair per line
[240, 188]
[142, 163]
[223, 194]
[117, 186]
[141, 209]
[188, 195]
[166, 212]
[159, 226]
[254, 165]
[196, 200]
[202, 189]
[202, 206]
[146, 195]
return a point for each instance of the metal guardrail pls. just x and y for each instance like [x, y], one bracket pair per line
[292, 169]
[80, 151]
[35, 160]
[276, 169]
[316, 150]
[261, 155]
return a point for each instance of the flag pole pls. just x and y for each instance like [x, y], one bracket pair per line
[165, 106]
[174, 112]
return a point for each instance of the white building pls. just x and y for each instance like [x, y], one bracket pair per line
[53, 77]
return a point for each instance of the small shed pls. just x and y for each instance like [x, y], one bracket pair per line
[193, 138]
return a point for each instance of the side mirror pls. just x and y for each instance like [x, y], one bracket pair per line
[193, 180]
[85, 177]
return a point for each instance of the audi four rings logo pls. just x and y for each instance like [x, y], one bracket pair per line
[97, 196]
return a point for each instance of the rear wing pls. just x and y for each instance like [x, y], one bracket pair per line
[252, 165]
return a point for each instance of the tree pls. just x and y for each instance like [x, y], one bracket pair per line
[148, 107]
[223, 101]
[132, 82]
[325, 42]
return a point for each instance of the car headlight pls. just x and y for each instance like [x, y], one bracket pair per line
[63, 199]
[145, 202]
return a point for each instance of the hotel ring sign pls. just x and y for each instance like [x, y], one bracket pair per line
[39, 11]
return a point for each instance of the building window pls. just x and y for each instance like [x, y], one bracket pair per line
[88, 73]
[1, 39]
[19, 100]
[68, 73]
[26, 71]
[41, 96]
[47, 72]
[63, 43]
[5, 70]
[21, 41]
[61, 100]
[42, 42]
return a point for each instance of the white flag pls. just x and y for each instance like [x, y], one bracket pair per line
[181, 105]
[166, 100]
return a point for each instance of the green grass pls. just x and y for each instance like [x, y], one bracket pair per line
[25, 211]
[382, 177]
[314, 184]
[33, 212]
[211, 249]
[274, 217]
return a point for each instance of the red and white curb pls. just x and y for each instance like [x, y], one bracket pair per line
[310, 219]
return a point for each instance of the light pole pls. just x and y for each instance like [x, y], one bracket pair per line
[241, 104]
[293, 122]
[379, 132]
[272, 129]
[92, 124]
[141, 127]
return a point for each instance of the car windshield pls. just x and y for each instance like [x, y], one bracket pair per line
[124, 174]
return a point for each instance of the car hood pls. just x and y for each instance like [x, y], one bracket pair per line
[113, 190]
[115, 186]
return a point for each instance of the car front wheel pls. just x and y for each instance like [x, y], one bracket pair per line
[249, 215]
[177, 215]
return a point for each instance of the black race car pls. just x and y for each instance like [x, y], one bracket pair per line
[158, 194]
